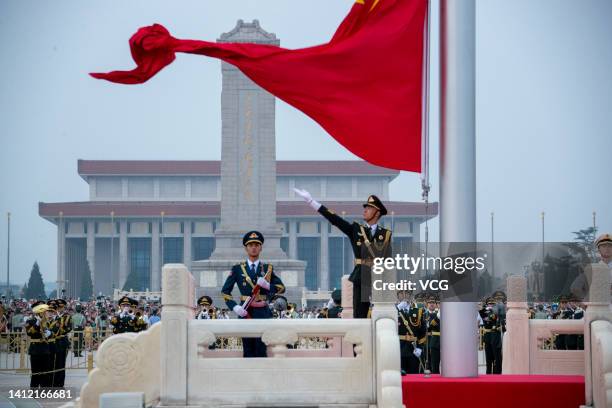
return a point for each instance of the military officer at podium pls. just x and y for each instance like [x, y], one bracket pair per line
[368, 241]
[247, 275]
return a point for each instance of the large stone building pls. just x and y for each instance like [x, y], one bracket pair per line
[143, 214]
[139, 210]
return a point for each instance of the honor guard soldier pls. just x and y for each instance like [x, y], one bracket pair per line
[247, 276]
[206, 312]
[368, 241]
[433, 335]
[492, 329]
[37, 329]
[60, 327]
[412, 330]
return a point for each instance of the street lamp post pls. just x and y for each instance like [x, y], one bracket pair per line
[8, 255]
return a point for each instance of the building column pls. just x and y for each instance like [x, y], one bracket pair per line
[123, 253]
[324, 260]
[61, 256]
[292, 239]
[187, 244]
[91, 252]
[155, 260]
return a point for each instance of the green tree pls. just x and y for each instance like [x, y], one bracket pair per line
[86, 285]
[585, 239]
[36, 287]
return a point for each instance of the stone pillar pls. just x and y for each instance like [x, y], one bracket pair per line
[123, 253]
[248, 173]
[155, 259]
[91, 251]
[61, 255]
[347, 298]
[187, 244]
[598, 308]
[293, 239]
[324, 261]
[177, 301]
[516, 338]
[248, 156]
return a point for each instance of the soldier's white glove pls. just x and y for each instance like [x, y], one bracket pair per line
[239, 311]
[308, 198]
[263, 283]
[417, 352]
[47, 333]
[403, 305]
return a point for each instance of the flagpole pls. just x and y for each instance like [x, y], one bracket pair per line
[459, 341]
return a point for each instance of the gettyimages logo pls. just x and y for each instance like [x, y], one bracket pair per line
[412, 265]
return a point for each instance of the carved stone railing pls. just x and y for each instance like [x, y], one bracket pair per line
[362, 370]
[522, 351]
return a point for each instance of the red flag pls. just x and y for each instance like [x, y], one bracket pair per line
[364, 87]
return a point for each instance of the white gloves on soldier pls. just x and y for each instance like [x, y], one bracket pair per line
[417, 352]
[403, 305]
[239, 311]
[47, 333]
[308, 198]
[263, 283]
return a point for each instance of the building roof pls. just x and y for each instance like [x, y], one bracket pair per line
[213, 168]
[91, 209]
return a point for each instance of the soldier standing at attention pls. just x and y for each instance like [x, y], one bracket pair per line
[61, 330]
[38, 331]
[412, 330]
[433, 336]
[368, 241]
[247, 275]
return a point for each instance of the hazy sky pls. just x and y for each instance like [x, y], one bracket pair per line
[544, 107]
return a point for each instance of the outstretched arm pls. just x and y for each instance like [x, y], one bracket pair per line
[331, 216]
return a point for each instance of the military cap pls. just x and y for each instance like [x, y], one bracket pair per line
[337, 296]
[205, 301]
[52, 304]
[375, 202]
[60, 302]
[125, 301]
[603, 239]
[252, 236]
[499, 295]
[433, 298]
[280, 302]
[134, 302]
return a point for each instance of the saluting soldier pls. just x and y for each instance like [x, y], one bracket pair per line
[246, 275]
[412, 330]
[433, 335]
[368, 241]
[37, 329]
[206, 312]
[60, 327]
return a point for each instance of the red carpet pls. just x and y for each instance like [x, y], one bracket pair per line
[499, 391]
